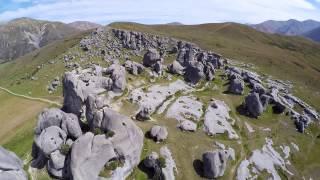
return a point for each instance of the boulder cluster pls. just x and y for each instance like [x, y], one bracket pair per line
[277, 95]
[80, 140]
[194, 63]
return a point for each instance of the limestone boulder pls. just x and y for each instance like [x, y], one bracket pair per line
[188, 125]
[151, 58]
[50, 140]
[253, 105]
[236, 86]
[159, 133]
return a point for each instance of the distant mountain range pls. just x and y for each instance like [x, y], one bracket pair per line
[308, 28]
[84, 25]
[21, 36]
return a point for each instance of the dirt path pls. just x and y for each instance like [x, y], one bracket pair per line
[31, 98]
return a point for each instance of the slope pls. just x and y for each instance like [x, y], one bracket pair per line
[23, 35]
[287, 58]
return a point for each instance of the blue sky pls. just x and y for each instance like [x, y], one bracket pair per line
[163, 11]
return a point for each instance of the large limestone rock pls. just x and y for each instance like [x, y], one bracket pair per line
[236, 86]
[77, 87]
[68, 122]
[11, 167]
[253, 105]
[90, 153]
[194, 72]
[50, 139]
[215, 163]
[151, 58]
[159, 133]
[118, 76]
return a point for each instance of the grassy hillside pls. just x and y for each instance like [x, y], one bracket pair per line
[288, 58]
[16, 75]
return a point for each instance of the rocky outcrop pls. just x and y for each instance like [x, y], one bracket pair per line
[11, 167]
[194, 63]
[159, 133]
[78, 85]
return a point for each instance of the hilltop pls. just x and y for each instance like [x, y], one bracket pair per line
[180, 96]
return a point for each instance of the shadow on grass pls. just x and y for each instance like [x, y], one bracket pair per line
[198, 167]
[149, 172]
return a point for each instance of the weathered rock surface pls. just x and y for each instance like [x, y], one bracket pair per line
[11, 167]
[159, 133]
[185, 108]
[156, 95]
[217, 120]
[267, 159]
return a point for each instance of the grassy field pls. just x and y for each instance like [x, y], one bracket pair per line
[16, 113]
[287, 58]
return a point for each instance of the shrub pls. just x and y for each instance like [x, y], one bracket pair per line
[97, 131]
[109, 134]
[111, 166]
[162, 162]
[64, 149]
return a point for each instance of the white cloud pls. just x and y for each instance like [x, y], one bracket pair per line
[155, 11]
